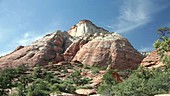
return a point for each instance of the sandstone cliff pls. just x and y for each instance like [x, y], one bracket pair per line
[104, 49]
[153, 60]
[85, 27]
[84, 43]
[42, 51]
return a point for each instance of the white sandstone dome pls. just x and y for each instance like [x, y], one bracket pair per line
[85, 27]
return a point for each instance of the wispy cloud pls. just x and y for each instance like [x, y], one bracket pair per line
[146, 49]
[133, 14]
[28, 37]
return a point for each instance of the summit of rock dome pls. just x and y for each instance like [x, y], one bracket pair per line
[85, 27]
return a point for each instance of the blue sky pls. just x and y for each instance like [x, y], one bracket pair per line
[24, 21]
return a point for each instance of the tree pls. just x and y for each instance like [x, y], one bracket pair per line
[36, 72]
[108, 82]
[49, 76]
[6, 78]
[144, 82]
[76, 77]
[164, 31]
[39, 88]
[22, 84]
[163, 45]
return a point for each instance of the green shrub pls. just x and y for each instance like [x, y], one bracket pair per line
[39, 88]
[48, 76]
[95, 70]
[6, 80]
[163, 45]
[144, 82]
[106, 86]
[66, 87]
[85, 66]
[75, 77]
[84, 87]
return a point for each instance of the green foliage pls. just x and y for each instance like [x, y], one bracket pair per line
[48, 76]
[144, 82]
[84, 87]
[108, 78]
[76, 78]
[163, 45]
[95, 70]
[20, 69]
[108, 82]
[85, 81]
[36, 72]
[65, 86]
[141, 82]
[164, 31]
[85, 66]
[54, 80]
[39, 88]
[6, 77]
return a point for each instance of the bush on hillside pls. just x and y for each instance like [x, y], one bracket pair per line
[144, 82]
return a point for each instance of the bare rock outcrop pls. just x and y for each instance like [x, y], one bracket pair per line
[48, 49]
[84, 27]
[110, 48]
[152, 61]
[85, 91]
[84, 43]
[72, 50]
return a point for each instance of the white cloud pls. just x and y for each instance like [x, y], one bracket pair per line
[26, 39]
[29, 37]
[146, 49]
[133, 14]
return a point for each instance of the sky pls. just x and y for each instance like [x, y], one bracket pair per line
[24, 21]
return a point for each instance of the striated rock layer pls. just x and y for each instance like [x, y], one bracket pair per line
[105, 49]
[84, 27]
[153, 60]
[45, 50]
[84, 43]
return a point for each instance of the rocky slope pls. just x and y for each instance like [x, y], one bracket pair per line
[45, 50]
[153, 60]
[104, 49]
[84, 43]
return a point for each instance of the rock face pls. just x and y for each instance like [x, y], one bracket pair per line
[84, 43]
[152, 61]
[106, 49]
[48, 49]
[86, 91]
[84, 27]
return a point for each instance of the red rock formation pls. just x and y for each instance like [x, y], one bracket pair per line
[106, 49]
[117, 77]
[88, 44]
[152, 60]
[73, 49]
[48, 49]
